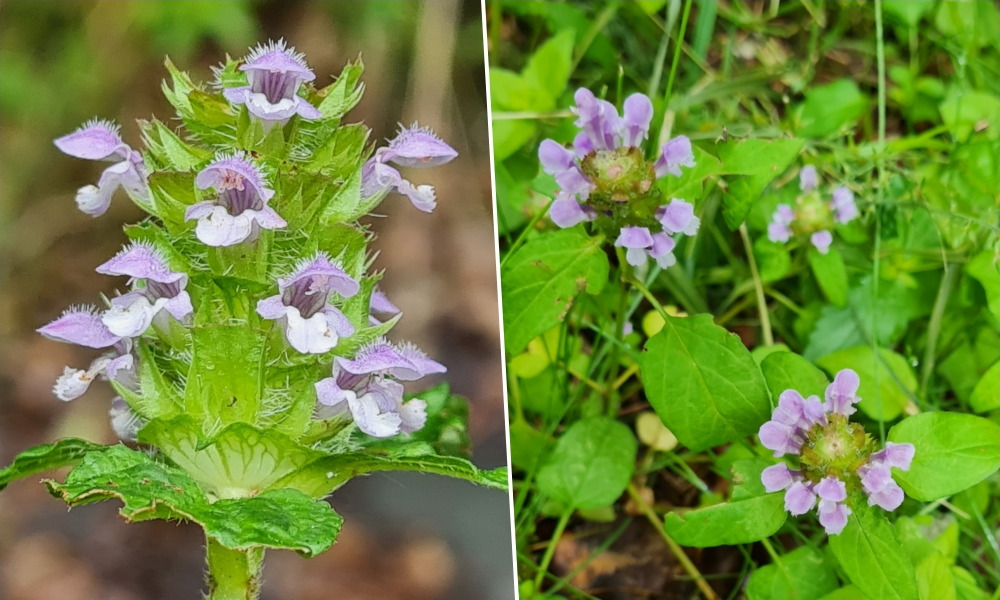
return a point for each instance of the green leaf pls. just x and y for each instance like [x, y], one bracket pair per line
[788, 371]
[750, 515]
[986, 394]
[758, 162]
[46, 457]
[321, 477]
[224, 380]
[882, 396]
[773, 259]
[984, 268]
[829, 108]
[830, 273]
[549, 68]
[285, 519]
[964, 112]
[510, 134]
[345, 93]
[590, 465]
[953, 452]
[803, 573]
[170, 150]
[240, 460]
[848, 592]
[541, 280]
[934, 579]
[908, 12]
[703, 382]
[872, 557]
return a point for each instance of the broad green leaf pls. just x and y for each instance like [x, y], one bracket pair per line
[953, 452]
[542, 279]
[286, 518]
[882, 396]
[964, 112]
[986, 394]
[590, 465]
[773, 259]
[528, 446]
[703, 382]
[934, 579]
[986, 270]
[549, 68]
[510, 134]
[788, 371]
[848, 592]
[240, 460]
[908, 12]
[829, 108]
[830, 273]
[46, 457]
[510, 91]
[750, 515]
[872, 557]
[757, 162]
[224, 380]
[322, 476]
[803, 573]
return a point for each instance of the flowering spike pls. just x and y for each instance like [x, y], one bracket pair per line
[274, 74]
[811, 215]
[836, 456]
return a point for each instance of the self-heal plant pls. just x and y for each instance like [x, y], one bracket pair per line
[812, 215]
[606, 178]
[249, 353]
[837, 460]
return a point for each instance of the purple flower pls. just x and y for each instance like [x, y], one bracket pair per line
[414, 146]
[312, 325]
[240, 210]
[843, 205]
[662, 250]
[597, 118]
[678, 217]
[638, 112]
[83, 326]
[100, 140]
[821, 240]
[833, 512]
[808, 179]
[131, 314]
[635, 240]
[380, 304]
[274, 74]
[823, 440]
[567, 212]
[779, 230]
[366, 387]
[674, 154]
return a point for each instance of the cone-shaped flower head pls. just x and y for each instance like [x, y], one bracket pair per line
[274, 74]
[413, 146]
[100, 140]
[812, 215]
[312, 325]
[131, 314]
[367, 387]
[240, 209]
[606, 178]
[837, 460]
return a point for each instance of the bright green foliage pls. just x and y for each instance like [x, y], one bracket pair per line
[803, 573]
[542, 280]
[887, 382]
[703, 383]
[45, 458]
[787, 371]
[148, 489]
[751, 514]
[954, 451]
[872, 557]
[590, 465]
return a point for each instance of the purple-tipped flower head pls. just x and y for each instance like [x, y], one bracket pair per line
[240, 208]
[837, 460]
[100, 140]
[413, 146]
[811, 215]
[312, 325]
[274, 74]
[367, 386]
[606, 178]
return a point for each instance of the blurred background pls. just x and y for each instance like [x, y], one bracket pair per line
[63, 62]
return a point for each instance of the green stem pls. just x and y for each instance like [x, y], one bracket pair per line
[678, 48]
[674, 547]
[233, 574]
[758, 285]
[550, 551]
